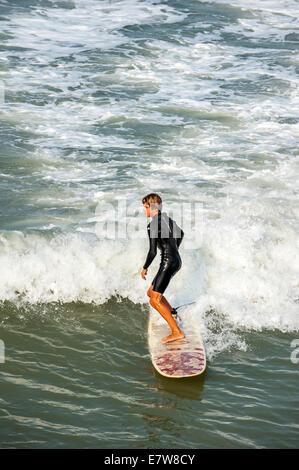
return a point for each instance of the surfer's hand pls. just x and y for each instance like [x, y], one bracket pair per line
[143, 273]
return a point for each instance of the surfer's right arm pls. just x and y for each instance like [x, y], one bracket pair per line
[152, 249]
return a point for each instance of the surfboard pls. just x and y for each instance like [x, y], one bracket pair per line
[180, 358]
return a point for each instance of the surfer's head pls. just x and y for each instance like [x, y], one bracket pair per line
[152, 204]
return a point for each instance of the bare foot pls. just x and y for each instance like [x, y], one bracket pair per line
[173, 337]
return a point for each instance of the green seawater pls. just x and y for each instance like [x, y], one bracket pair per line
[80, 376]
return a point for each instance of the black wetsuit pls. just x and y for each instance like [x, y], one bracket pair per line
[167, 235]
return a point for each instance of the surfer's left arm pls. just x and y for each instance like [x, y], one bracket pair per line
[151, 252]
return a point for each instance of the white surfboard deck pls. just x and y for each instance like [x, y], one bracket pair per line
[180, 358]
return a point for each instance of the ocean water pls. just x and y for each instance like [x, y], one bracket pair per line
[103, 102]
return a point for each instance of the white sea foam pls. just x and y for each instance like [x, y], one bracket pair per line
[247, 267]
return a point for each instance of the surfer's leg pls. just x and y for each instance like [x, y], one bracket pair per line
[166, 303]
[163, 299]
[149, 292]
[158, 304]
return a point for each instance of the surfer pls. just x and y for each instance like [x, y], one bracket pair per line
[164, 233]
